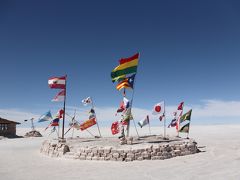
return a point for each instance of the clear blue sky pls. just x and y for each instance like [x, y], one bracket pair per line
[189, 50]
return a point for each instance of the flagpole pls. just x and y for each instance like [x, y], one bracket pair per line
[64, 108]
[96, 119]
[32, 124]
[149, 127]
[128, 125]
[164, 122]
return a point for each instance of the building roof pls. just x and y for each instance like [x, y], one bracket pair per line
[8, 121]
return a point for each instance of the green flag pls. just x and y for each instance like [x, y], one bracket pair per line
[186, 116]
[185, 128]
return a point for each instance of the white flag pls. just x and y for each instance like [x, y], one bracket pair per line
[159, 108]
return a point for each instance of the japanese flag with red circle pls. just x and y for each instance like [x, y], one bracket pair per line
[158, 108]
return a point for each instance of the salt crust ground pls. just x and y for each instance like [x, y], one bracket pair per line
[21, 160]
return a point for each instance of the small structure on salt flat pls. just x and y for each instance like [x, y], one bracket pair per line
[8, 128]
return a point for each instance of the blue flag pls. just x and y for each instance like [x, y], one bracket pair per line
[45, 117]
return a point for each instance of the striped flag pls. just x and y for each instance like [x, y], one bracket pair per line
[126, 83]
[57, 82]
[45, 117]
[60, 96]
[127, 66]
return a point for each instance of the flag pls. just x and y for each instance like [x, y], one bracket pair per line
[60, 96]
[60, 113]
[126, 83]
[161, 117]
[158, 108]
[123, 105]
[126, 102]
[57, 82]
[178, 120]
[115, 128]
[123, 84]
[127, 66]
[55, 122]
[173, 123]
[87, 101]
[88, 124]
[45, 117]
[144, 122]
[92, 114]
[180, 106]
[186, 116]
[185, 128]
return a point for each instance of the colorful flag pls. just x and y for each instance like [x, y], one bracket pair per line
[185, 128]
[45, 117]
[186, 116]
[115, 128]
[180, 106]
[144, 122]
[55, 122]
[87, 101]
[126, 83]
[88, 124]
[57, 82]
[123, 84]
[158, 108]
[127, 66]
[60, 96]
[173, 123]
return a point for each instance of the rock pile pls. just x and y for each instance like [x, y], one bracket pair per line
[33, 134]
[126, 152]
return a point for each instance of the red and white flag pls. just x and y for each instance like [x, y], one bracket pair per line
[57, 82]
[60, 96]
[178, 120]
[159, 108]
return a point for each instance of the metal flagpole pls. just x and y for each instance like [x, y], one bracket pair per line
[164, 135]
[64, 108]
[149, 127]
[128, 125]
[96, 118]
[33, 128]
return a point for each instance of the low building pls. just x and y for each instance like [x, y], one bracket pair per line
[8, 128]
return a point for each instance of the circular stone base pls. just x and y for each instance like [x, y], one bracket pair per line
[142, 148]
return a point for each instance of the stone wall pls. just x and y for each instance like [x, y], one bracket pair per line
[159, 151]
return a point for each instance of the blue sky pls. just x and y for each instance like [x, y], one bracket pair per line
[189, 52]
